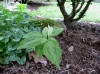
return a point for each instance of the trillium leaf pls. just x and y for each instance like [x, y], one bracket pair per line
[31, 43]
[33, 34]
[56, 31]
[50, 30]
[52, 51]
[39, 51]
[45, 32]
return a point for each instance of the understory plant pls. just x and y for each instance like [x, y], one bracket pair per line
[13, 25]
[44, 43]
[17, 31]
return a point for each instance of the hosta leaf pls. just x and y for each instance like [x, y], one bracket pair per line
[1, 38]
[12, 57]
[25, 29]
[8, 34]
[5, 61]
[33, 34]
[22, 60]
[6, 40]
[17, 37]
[52, 51]
[39, 51]
[31, 42]
[11, 48]
[15, 29]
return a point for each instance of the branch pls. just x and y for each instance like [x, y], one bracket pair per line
[73, 10]
[62, 7]
[72, 15]
[77, 3]
[83, 11]
[80, 6]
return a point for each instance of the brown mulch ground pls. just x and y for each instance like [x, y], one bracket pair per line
[84, 58]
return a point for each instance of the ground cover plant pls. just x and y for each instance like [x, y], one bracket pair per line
[44, 44]
[13, 25]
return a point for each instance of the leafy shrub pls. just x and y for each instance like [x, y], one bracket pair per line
[44, 43]
[13, 25]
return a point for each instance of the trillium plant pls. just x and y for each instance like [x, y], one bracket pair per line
[44, 43]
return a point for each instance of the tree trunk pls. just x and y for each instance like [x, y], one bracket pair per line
[76, 8]
[67, 23]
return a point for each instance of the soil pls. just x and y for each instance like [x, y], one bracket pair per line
[80, 55]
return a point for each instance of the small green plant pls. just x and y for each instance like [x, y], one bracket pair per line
[13, 25]
[44, 43]
[21, 7]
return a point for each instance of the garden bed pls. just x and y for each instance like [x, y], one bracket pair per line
[80, 55]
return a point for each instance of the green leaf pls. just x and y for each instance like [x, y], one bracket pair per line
[1, 49]
[31, 42]
[33, 34]
[17, 37]
[45, 32]
[6, 40]
[51, 31]
[39, 51]
[52, 51]
[22, 60]
[1, 38]
[56, 31]
[10, 47]
[12, 57]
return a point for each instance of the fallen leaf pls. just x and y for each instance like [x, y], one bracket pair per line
[41, 60]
